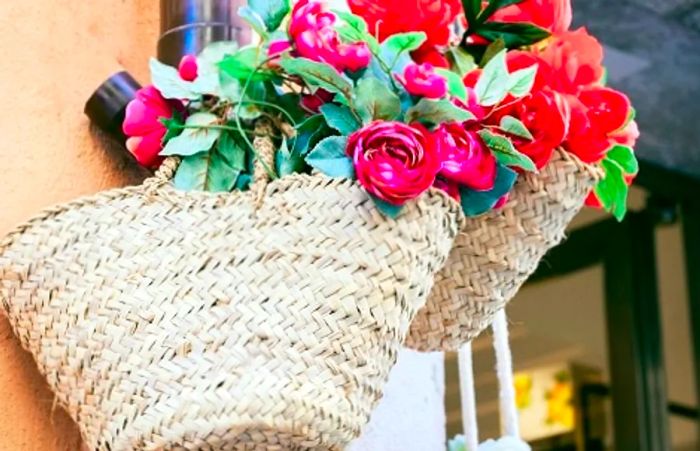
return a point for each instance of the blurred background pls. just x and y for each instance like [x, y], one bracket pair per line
[606, 337]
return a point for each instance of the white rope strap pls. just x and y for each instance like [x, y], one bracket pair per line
[504, 371]
[466, 388]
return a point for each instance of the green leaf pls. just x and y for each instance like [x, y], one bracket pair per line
[330, 158]
[515, 127]
[398, 45]
[375, 100]
[308, 133]
[317, 74]
[355, 29]
[437, 112]
[492, 86]
[492, 50]
[287, 162]
[455, 85]
[232, 151]
[495, 5]
[624, 157]
[215, 52]
[167, 80]
[505, 152]
[521, 81]
[272, 12]
[340, 117]
[254, 20]
[460, 61]
[612, 190]
[173, 126]
[243, 182]
[515, 35]
[472, 9]
[244, 64]
[386, 208]
[193, 140]
[205, 171]
[475, 203]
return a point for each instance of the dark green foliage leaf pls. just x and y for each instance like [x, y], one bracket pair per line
[460, 61]
[612, 190]
[173, 126]
[492, 50]
[308, 134]
[340, 117]
[495, 5]
[287, 162]
[253, 19]
[472, 8]
[272, 12]
[167, 80]
[492, 86]
[232, 151]
[244, 64]
[437, 112]
[193, 140]
[515, 127]
[375, 100]
[386, 208]
[317, 74]
[455, 85]
[505, 152]
[475, 203]
[330, 158]
[514, 35]
[521, 81]
[624, 157]
[243, 182]
[205, 171]
[291, 103]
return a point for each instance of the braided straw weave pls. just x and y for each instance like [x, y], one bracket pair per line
[172, 320]
[494, 254]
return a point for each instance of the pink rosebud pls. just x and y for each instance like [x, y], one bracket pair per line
[188, 68]
[450, 188]
[421, 80]
[393, 161]
[278, 47]
[355, 56]
[465, 158]
[142, 124]
[313, 102]
[626, 136]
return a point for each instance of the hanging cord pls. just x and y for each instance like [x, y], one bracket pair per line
[466, 388]
[504, 371]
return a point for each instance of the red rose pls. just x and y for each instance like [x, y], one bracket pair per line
[393, 161]
[553, 15]
[433, 17]
[313, 102]
[430, 55]
[585, 140]
[608, 110]
[465, 158]
[546, 115]
[576, 61]
[142, 124]
[626, 136]
[450, 188]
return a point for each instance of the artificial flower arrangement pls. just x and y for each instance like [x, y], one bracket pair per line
[399, 102]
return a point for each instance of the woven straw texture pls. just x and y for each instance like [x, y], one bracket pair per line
[172, 320]
[494, 254]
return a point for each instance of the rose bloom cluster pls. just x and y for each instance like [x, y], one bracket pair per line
[568, 107]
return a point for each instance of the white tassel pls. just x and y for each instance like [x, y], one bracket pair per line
[466, 388]
[504, 371]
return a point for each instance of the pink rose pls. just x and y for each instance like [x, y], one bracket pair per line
[575, 59]
[188, 68]
[142, 124]
[450, 188]
[393, 161]
[311, 30]
[465, 158]
[421, 80]
[626, 136]
[278, 47]
[313, 102]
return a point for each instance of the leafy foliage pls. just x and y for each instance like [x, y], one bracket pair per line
[475, 203]
[330, 158]
[433, 112]
[505, 151]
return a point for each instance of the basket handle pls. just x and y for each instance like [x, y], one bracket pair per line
[264, 161]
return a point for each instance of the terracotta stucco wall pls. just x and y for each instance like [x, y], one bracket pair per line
[53, 55]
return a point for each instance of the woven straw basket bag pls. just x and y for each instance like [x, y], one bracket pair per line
[495, 254]
[173, 320]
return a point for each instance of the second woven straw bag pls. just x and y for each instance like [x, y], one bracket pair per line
[172, 320]
[495, 254]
